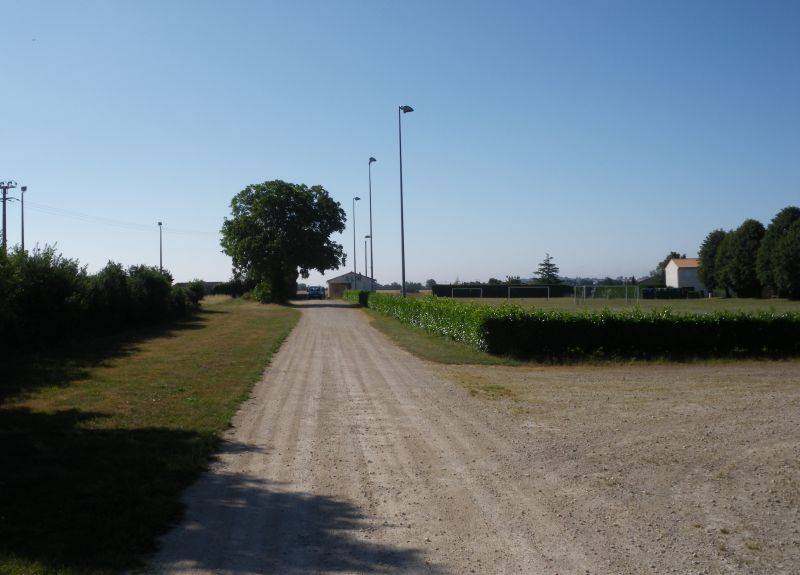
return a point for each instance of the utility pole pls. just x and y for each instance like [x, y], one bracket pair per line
[23, 189]
[371, 247]
[160, 250]
[5, 186]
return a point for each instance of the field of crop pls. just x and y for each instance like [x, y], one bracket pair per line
[676, 305]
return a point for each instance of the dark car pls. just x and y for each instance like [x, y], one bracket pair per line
[316, 292]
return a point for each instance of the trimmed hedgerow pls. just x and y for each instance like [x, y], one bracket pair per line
[45, 297]
[537, 334]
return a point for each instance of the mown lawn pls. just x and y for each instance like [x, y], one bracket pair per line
[97, 442]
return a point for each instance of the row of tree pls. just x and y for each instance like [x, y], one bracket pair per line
[752, 260]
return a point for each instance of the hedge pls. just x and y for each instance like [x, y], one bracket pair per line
[522, 333]
[47, 297]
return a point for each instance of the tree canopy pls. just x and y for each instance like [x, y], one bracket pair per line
[735, 264]
[787, 262]
[768, 266]
[708, 258]
[278, 230]
[547, 272]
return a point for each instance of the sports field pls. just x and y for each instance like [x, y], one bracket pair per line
[676, 305]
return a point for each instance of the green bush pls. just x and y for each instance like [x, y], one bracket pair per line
[234, 288]
[46, 298]
[522, 333]
[357, 296]
[262, 292]
[196, 291]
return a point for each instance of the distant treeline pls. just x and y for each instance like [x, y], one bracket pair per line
[751, 260]
[47, 297]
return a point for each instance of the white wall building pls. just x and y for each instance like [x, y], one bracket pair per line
[682, 273]
[337, 285]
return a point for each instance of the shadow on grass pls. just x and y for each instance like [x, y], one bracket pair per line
[82, 498]
[77, 499]
[24, 373]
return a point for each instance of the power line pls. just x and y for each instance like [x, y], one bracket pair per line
[121, 224]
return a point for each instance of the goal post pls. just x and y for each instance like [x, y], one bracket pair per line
[629, 293]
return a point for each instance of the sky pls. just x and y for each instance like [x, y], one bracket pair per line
[605, 133]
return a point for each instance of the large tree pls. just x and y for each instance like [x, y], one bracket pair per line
[547, 272]
[708, 258]
[735, 265]
[787, 263]
[767, 265]
[278, 230]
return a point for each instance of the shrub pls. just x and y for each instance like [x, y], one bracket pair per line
[196, 291]
[108, 298]
[46, 298]
[181, 301]
[360, 297]
[150, 293]
[262, 292]
[537, 334]
[234, 288]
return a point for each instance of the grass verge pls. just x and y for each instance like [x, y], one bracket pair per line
[97, 443]
[430, 346]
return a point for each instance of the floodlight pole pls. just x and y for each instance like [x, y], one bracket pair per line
[355, 264]
[160, 250]
[371, 247]
[404, 110]
[23, 189]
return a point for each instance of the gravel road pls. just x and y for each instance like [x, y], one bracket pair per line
[353, 456]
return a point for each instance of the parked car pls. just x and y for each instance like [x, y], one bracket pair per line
[316, 292]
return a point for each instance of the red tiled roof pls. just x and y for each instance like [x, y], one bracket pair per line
[686, 262]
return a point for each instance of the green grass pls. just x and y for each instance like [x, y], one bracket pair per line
[677, 305]
[97, 442]
[430, 346]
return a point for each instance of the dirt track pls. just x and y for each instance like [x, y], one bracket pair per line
[353, 456]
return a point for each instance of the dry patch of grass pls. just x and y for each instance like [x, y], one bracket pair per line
[97, 442]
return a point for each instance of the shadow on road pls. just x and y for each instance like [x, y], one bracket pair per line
[241, 524]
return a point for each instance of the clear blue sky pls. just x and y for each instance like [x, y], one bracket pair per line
[605, 133]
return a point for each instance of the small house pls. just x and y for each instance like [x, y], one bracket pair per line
[350, 280]
[682, 273]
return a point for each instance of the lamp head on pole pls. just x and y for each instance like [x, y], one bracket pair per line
[24, 189]
[356, 199]
[159, 224]
[367, 237]
[406, 109]
[371, 159]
